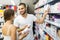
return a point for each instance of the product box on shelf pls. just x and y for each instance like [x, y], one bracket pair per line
[53, 30]
[55, 8]
[58, 32]
[46, 7]
[57, 18]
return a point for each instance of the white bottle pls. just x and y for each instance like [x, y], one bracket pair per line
[26, 29]
[46, 7]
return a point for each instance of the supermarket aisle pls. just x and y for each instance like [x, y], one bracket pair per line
[49, 30]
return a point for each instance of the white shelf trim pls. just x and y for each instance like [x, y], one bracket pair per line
[53, 23]
[42, 4]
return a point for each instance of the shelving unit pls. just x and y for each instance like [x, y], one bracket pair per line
[55, 37]
[43, 26]
[1, 23]
[1, 37]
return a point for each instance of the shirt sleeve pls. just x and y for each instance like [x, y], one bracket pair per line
[34, 18]
[16, 22]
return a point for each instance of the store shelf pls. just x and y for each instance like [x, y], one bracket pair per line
[51, 2]
[0, 31]
[53, 13]
[42, 5]
[55, 37]
[1, 37]
[53, 23]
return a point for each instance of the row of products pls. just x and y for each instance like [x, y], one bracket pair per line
[14, 7]
[5, 7]
[1, 21]
[1, 24]
[53, 8]
[47, 37]
[54, 30]
[40, 3]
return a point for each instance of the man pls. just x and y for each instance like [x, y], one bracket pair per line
[27, 19]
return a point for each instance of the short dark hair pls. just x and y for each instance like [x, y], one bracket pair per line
[8, 13]
[22, 4]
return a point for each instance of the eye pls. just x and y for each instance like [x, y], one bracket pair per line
[19, 9]
[22, 8]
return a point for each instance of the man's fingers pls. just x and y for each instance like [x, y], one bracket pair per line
[23, 35]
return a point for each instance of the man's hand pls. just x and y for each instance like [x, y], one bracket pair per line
[41, 20]
[22, 28]
[23, 36]
[24, 31]
[46, 11]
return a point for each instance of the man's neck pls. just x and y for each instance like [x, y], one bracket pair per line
[24, 15]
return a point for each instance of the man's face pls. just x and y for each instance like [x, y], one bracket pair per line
[22, 9]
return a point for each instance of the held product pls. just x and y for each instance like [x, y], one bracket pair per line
[26, 29]
[29, 25]
[46, 7]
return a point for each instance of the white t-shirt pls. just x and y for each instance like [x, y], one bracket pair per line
[21, 21]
